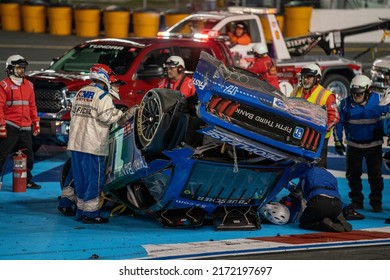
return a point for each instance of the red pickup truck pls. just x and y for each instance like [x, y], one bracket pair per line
[137, 61]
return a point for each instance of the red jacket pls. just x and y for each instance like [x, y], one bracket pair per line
[17, 103]
[266, 68]
[185, 85]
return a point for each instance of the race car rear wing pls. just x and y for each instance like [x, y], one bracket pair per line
[332, 42]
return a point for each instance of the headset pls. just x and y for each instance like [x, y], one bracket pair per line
[180, 69]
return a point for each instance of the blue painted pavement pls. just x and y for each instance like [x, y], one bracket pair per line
[31, 228]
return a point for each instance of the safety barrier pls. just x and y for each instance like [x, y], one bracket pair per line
[89, 20]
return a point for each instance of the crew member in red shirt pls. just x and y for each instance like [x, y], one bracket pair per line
[19, 120]
[177, 79]
[263, 65]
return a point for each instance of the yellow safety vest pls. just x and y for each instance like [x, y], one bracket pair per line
[319, 96]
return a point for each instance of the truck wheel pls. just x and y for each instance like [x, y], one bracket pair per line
[337, 84]
[156, 118]
[65, 172]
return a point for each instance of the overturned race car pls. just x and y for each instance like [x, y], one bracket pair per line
[220, 158]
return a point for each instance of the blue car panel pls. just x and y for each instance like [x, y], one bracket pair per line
[240, 148]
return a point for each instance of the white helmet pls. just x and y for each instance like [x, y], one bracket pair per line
[101, 72]
[311, 69]
[359, 84]
[260, 48]
[276, 213]
[14, 61]
[174, 61]
[380, 73]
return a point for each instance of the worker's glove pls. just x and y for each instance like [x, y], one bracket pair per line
[340, 148]
[3, 131]
[36, 128]
[126, 115]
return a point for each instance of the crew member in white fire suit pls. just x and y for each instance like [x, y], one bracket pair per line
[93, 112]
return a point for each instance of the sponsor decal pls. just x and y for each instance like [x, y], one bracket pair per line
[222, 200]
[299, 42]
[264, 121]
[134, 166]
[85, 96]
[83, 111]
[298, 132]
[232, 90]
[241, 144]
[201, 85]
[279, 104]
[106, 47]
[189, 203]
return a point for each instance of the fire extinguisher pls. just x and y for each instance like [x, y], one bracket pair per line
[19, 178]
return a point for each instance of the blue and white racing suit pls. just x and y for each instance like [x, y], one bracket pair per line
[92, 114]
[363, 128]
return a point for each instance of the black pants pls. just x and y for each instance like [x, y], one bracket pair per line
[17, 139]
[319, 208]
[354, 161]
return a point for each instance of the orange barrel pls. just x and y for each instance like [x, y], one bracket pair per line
[10, 16]
[87, 20]
[60, 19]
[267, 28]
[146, 22]
[297, 17]
[173, 16]
[34, 16]
[116, 21]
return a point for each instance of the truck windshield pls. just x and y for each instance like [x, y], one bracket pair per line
[81, 58]
[194, 25]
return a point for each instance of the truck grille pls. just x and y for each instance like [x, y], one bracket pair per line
[49, 100]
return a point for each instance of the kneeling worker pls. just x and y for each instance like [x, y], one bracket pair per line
[324, 207]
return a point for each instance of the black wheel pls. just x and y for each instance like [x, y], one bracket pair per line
[139, 196]
[65, 172]
[157, 116]
[337, 84]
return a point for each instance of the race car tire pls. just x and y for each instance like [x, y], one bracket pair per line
[139, 196]
[157, 119]
[337, 84]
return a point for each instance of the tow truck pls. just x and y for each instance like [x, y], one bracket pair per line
[289, 54]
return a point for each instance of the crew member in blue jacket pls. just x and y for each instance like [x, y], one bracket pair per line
[361, 120]
[323, 210]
